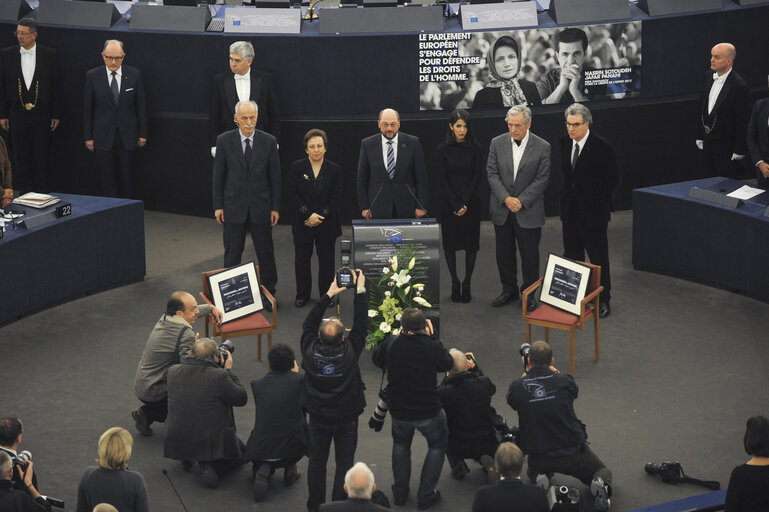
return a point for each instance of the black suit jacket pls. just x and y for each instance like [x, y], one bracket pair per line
[758, 135]
[510, 496]
[588, 189]
[730, 113]
[352, 505]
[319, 195]
[224, 97]
[45, 78]
[240, 191]
[409, 171]
[103, 118]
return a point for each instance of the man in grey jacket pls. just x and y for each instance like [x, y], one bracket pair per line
[518, 170]
[170, 341]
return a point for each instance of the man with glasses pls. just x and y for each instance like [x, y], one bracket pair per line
[29, 105]
[114, 119]
[590, 179]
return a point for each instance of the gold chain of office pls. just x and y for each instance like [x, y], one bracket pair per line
[29, 106]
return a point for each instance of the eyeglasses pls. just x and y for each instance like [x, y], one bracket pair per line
[114, 59]
[575, 125]
[25, 34]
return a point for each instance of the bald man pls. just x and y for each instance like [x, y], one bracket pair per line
[392, 180]
[724, 114]
[170, 341]
[359, 485]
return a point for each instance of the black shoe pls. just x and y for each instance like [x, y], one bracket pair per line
[460, 470]
[261, 482]
[208, 475]
[300, 303]
[291, 474]
[604, 309]
[531, 303]
[142, 422]
[504, 299]
[456, 295]
[429, 502]
[466, 297]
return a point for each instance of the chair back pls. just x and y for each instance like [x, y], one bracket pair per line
[595, 276]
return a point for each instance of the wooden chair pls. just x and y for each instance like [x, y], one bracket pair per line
[547, 316]
[255, 323]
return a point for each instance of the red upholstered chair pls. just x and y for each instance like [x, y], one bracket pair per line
[549, 317]
[255, 323]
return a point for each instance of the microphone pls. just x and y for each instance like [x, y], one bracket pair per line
[175, 491]
[381, 187]
[421, 206]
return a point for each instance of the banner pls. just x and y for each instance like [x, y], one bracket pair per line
[533, 67]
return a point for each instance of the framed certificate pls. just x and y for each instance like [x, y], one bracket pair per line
[565, 284]
[235, 291]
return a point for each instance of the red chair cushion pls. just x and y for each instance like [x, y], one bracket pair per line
[247, 323]
[547, 313]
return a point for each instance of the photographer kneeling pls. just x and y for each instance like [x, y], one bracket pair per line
[10, 496]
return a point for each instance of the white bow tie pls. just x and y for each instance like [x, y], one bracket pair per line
[716, 77]
[24, 51]
[242, 77]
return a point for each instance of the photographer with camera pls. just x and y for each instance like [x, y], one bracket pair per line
[552, 436]
[169, 342]
[11, 434]
[412, 360]
[333, 389]
[201, 425]
[13, 499]
[466, 398]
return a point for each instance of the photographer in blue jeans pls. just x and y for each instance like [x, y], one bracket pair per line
[412, 361]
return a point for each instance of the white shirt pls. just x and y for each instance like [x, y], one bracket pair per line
[28, 59]
[243, 86]
[118, 76]
[385, 140]
[715, 89]
[581, 144]
[518, 153]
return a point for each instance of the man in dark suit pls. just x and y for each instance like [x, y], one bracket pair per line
[758, 141]
[510, 494]
[590, 178]
[392, 181]
[242, 84]
[246, 191]
[114, 119]
[279, 437]
[201, 425]
[518, 169]
[29, 105]
[359, 485]
[723, 119]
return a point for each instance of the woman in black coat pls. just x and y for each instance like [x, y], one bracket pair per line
[316, 185]
[505, 89]
[461, 167]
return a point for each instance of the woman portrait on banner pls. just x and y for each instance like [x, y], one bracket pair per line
[460, 167]
[316, 185]
[111, 481]
[506, 87]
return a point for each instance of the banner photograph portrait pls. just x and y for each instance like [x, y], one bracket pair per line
[485, 70]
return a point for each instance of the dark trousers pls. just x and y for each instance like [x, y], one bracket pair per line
[261, 234]
[116, 167]
[324, 240]
[583, 465]
[528, 245]
[224, 466]
[30, 147]
[579, 237]
[274, 464]
[345, 437]
[717, 159]
[155, 411]
[436, 432]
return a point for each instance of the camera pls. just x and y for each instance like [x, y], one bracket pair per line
[670, 470]
[345, 276]
[22, 460]
[225, 349]
[524, 351]
[564, 498]
[376, 422]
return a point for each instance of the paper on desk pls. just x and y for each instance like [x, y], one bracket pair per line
[746, 192]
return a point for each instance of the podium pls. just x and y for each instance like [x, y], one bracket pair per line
[376, 241]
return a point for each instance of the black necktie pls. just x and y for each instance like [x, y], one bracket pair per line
[114, 87]
[575, 157]
[518, 142]
[247, 153]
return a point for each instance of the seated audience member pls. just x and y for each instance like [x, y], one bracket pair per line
[359, 486]
[11, 435]
[510, 493]
[12, 498]
[169, 342]
[279, 438]
[201, 424]
[111, 481]
[466, 399]
[748, 489]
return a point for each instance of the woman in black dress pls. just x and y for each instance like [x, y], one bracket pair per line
[460, 166]
[505, 89]
[316, 185]
[748, 489]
